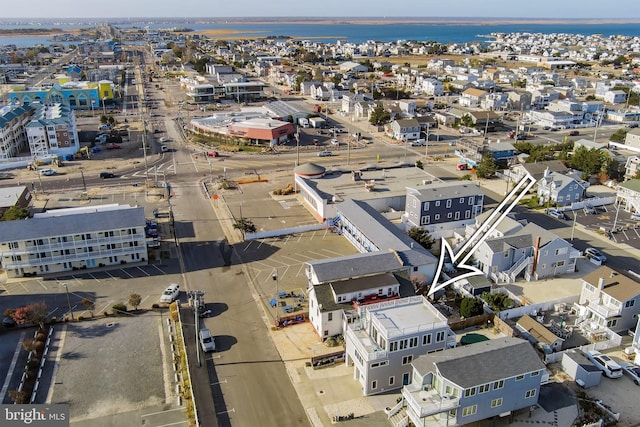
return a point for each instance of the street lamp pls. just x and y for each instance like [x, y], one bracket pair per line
[274, 276]
[66, 288]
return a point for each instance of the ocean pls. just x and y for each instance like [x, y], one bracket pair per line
[357, 33]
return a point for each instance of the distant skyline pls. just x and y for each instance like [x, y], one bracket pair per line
[565, 9]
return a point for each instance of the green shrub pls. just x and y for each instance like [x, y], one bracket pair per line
[118, 308]
[471, 307]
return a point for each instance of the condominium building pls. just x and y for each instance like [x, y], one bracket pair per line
[52, 130]
[13, 134]
[71, 239]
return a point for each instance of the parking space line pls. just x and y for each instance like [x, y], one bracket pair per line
[77, 280]
[52, 311]
[143, 271]
[295, 261]
[320, 255]
[262, 263]
[312, 235]
[105, 307]
[112, 276]
[42, 284]
[247, 246]
[127, 273]
[636, 231]
[6, 289]
[12, 366]
[332, 252]
[301, 269]
[94, 277]
[162, 412]
[261, 242]
[157, 268]
[304, 256]
[625, 235]
[24, 287]
[281, 275]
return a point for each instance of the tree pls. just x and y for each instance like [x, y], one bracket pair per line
[379, 116]
[589, 161]
[470, 307]
[498, 301]
[245, 225]
[33, 313]
[15, 213]
[135, 300]
[421, 236]
[618, 136]
[487, 167]
[420, 282]
[466, 120]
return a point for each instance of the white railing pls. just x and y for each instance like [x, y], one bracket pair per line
[603, 310]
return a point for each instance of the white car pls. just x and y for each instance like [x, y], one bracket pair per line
[325, 154]
[418, 143]
[595, 255]
[606, 364]
[164, 139]
[635, 217]
[164, 149]
[335, 142]
[557, 214]
[206, 340]
[48, 172]
[170, 294]
[632, 370]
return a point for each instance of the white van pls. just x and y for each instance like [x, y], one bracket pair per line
[170, 294]
[206, 340]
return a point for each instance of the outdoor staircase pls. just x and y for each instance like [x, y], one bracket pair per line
[400, 419]
[519, 265]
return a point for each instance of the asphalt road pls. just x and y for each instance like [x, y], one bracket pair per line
[246, 376]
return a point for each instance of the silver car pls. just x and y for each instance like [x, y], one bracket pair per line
[632, 370]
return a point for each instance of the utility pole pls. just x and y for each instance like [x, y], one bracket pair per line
[144, 148]
[84, 184]
[274, 276]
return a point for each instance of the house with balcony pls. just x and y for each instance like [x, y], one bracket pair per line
[388, 336]
[608, 300]
[531, 251]
[560, 189]
[472, 97]
[334, 305]
[631, 167]
[628, 195]
[467, 384]
[442, 208]
[70, 239]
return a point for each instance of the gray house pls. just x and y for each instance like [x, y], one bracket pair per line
[533, 250]
[580, 369]
[440, 208]
[405, 129]
[467, 384]
[560, 189]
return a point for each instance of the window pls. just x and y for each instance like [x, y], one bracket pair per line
[407, 359]
[630, 303]
[519, 377]
[457, 216]
[462, 200]
[426, 339]
[440, 336]
[425, 206]
[612, 323]
[413, 342]
[498, 385]
[470, 392]
[392, 380]
[467, 214]
[330, 317]
[470, 201]
[437, 217]
[484, 388]
[535, 374]
[393, 346]
[496, 402]
[374, 384]
[449, 204]
[469, 410]
[449, 215]
[530, 393]
[437, 203]
[425, 220]
[506, 254]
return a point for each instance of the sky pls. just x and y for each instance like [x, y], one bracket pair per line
[581, 9]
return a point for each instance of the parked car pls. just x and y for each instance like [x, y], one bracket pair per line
[48, 172]
[170, 294]
[590, 210]
[557, 214]
[164, 149]
[574, 133]
[635, 216]
[206, 340]
[325, 154]
[5, 175]
[633, 126]
[104, 127]
[164, 139]
[632, 370]
[104, 175]
[607, 365]
[595, 255]
[335, 142]
[8, 322]
[212, 154]
[418, 143]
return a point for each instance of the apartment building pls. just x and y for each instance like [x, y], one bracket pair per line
[52, 130]
[388, 336]
[71, 239]
[13, 134]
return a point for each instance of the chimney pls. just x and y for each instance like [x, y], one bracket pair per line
[601, 283]
[536, 253]
[547, 172]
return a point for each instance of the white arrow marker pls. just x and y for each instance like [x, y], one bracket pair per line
[459, 259]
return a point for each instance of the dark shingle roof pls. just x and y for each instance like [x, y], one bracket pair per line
[482, 362]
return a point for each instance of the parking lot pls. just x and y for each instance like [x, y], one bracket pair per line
[626, 230]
